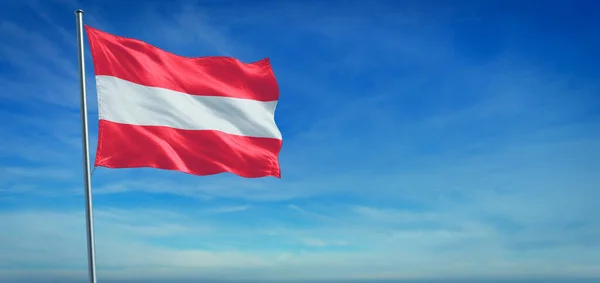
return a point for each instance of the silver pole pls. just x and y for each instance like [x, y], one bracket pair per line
[86, 152]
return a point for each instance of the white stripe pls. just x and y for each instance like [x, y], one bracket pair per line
[125, 102]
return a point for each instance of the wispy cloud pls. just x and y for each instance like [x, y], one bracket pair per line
[43, 61]
[228, 209]
[316, 242]
[130, 232]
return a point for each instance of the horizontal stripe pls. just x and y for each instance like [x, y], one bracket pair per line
[125, 102]
[139, 62]
[193, 152]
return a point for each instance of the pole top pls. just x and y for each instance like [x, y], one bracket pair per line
[79, 11]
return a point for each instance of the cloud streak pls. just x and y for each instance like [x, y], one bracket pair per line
[51, 234]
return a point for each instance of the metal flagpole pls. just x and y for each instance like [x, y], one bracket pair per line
[86, 152]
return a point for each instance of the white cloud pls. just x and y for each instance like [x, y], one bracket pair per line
[130, 240]
[316, 242]
[228, 209]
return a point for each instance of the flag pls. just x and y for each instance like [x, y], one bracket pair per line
[201, 116]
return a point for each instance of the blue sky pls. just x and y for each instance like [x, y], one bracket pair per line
[422, 139]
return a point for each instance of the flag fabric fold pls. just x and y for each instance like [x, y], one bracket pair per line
[201, 116]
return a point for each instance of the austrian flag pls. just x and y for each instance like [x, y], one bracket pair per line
[202, 116]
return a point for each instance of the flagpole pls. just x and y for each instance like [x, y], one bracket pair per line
[86, 152]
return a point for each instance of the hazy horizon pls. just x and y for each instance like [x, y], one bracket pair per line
[508, 280]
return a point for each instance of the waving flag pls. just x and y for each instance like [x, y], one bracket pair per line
[201, 116]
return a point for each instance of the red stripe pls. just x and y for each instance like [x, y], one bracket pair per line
[193, 152]
[139, 62]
